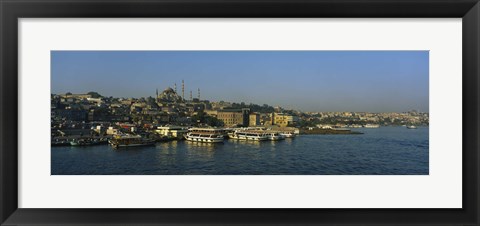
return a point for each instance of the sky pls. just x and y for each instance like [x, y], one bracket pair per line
[357, 81]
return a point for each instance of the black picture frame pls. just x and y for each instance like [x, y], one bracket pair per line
[12, 10]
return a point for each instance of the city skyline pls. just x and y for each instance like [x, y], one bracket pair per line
[322, 81]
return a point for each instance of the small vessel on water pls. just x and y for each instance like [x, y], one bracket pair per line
[207, 135]
[248, 135]
[127, 140]
[60, 142]
[288, 134]
[371, 126]
[275, 136]
[87, 141]
[411, 127]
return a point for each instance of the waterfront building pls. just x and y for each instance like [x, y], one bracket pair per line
[230, 118]
[283, 120]
[254, 119]
[171, 131]
[234, 117]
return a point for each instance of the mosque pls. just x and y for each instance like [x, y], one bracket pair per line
[170, 95]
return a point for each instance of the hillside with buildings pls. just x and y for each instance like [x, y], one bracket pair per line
[169, 107]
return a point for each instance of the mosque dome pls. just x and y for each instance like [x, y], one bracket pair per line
[168, 90]
[170, 96]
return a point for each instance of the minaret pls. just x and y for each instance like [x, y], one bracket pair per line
[198, 93]
[157, 93]
[175, 87]
[183, 89]
[191, 98]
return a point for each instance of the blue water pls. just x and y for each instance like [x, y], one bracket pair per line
[381, 151]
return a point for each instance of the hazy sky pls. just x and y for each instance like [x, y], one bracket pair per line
[373, 81]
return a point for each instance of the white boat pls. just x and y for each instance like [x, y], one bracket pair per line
[371, 126]
[204, 137]
[126, 140]
[275, 136]
[288, 134]
[411, 127]
[248, 135]
[207, 135]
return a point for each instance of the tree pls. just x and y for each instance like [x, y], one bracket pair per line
[94, 94]
[253, 107]
[212, 121]
[202, 117]
[151, 101]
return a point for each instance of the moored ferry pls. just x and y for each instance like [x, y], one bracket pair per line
[126, 140]
[248, 135]
[207, 135]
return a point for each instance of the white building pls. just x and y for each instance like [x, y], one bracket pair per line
[171, 131]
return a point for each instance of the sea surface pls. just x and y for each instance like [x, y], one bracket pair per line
[379, 151]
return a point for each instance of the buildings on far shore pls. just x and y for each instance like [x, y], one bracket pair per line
[170, 108]
[284, 120]
[254, 119]
[165, 108]
[234, 117]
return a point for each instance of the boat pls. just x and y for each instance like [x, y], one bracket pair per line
[127, 140]
[275, 136]
[411, 127]
[80, 142]
[87, 142]
[371, 126]
[207, 135]
[248, 135]
[288, 134]
[60, 142]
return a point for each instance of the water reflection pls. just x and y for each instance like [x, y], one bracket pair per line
[171, 144]
[206, 146]
[168, 147]
[246, 142]
[288, 140]
[201, 150]
[124, 149]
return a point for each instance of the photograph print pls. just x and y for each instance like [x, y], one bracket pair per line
[240, 112]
